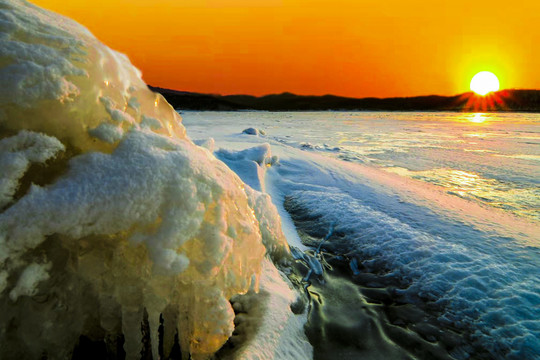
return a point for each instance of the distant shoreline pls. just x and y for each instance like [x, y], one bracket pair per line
[180, 110]
[501, 101]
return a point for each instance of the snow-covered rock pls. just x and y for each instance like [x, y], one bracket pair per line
[107, 209]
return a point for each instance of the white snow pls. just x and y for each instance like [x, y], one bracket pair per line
[477, 264]
[208, 144]
[250, 164]
[129, 215]
[16, 155]
[267, 321]
[29, 279]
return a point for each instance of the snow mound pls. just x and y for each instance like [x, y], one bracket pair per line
[108, 213]
[250, 164]
[208, 144]
[253, 131]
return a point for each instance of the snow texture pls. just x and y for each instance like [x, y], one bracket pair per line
[475, 268]
[266, 317]
[250, 163]
[253, 131]
[108, 211]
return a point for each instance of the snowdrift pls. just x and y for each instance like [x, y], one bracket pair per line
[108, 213]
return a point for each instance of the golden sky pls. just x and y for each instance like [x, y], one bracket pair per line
[345, 47]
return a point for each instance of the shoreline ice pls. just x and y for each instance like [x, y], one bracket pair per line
[460, 264]
[109, 213]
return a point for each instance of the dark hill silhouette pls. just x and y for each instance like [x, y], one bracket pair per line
[504, 100]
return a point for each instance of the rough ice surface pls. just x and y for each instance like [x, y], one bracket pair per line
[475, 267]
[250, 163]
[266, 326]
[107, 210]
[475, 288]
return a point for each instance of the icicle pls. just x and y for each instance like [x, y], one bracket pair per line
[153, 321]
[131, 327]
[109, 314]
[111, 322]
[184, 331]
[170, 321]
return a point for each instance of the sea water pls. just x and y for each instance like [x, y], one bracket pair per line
[444, 206]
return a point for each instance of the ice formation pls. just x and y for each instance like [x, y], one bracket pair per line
[253, 131]
[469, 284]
[250, 163]
[470, 267]
[107, 210]
[266, 320]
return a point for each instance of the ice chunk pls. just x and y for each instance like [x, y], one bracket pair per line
[124, 216]
[206, 143]
[261, 154]
[269, 223]
[52, 65]
[250, 164]
[253, 131]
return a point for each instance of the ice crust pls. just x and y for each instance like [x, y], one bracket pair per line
[268, 328]
[474, 288]
[476, 270]
[250, 163]
[121, 214]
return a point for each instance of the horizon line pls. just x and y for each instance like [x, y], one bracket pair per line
[340, 96]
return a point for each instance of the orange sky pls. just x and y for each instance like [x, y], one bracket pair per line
[345, 47]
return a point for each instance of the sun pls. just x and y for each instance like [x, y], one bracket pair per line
[484, 82]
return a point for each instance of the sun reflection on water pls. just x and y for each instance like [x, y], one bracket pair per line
[472, 186]
[478, 118]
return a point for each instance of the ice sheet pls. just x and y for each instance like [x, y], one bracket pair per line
[476, 264]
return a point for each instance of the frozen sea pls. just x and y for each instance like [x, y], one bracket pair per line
[435, 214]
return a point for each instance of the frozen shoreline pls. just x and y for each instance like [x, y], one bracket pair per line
[110, 217]
[409, 237]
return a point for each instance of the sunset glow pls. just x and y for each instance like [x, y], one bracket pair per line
[345, 47]
[269, 179]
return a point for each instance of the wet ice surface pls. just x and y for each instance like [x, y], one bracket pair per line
[491, 159]
[488, 287]
[442, 206]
